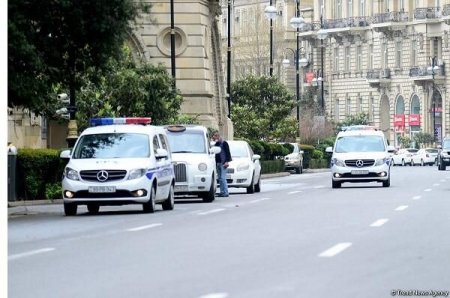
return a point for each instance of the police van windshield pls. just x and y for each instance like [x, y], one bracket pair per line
[187, 142]
[446, 144]
[112, 145]
[360, 143]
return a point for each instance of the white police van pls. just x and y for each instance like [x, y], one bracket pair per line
[119, 161]
[360, 154]
[194, 161]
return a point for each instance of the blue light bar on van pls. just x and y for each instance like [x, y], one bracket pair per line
[128, 120]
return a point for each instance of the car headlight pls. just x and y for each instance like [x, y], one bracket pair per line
[202, 166]
[71, 174]
[337, 162]
[379, 162]
[136, 173]
[243, 167]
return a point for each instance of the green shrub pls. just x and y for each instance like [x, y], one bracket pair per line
[53, 191]
[37, 168]
[272, 166]
[317, 154]
[318, 164]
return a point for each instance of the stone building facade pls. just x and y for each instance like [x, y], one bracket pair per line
[385, 58]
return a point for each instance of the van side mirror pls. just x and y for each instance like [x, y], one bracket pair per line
[65, 154]
[390, 149]
[161, 153]
[329, 150]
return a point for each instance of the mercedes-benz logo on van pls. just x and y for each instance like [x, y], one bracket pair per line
[359, 163]
[102, 176]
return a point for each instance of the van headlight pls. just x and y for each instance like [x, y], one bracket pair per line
[337, 162]
[202, 166]
[136, 173]
[381, 161]
[71, 174]
[243, 167]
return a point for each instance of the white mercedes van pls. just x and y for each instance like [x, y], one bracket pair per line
[119, 161]
[360, 154]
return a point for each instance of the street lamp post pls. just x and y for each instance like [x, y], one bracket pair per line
[296, 23]
[434, 67]
[229, 61]
[271, 12]
[321, 34]
[172, 43]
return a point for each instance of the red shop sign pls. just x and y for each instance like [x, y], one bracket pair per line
[399, 120]
[414, 120]
[309, 76]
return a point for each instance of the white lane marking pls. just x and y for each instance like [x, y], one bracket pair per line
[401, 208]
[379, 222]
[319, 186]
[144, 227]
[417, 197]
[442, 180]
[436, 184]
[211, 211]
[428, 189]
[259, 200]
[215, 295]
[338, 248]
[30, 253]
[294, 192]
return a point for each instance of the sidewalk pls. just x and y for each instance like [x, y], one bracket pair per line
[18, 208]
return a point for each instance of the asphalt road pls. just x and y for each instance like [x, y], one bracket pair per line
[297, 238]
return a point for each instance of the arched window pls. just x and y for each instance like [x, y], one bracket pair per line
[400, 106]
[415, 104]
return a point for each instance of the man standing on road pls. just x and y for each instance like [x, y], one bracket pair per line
[222, 159]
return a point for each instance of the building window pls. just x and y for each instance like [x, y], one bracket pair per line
[336, 59]
[362, 8]
[384, 51]
[398, 54]
[336, 109]
[414, 52]
[358, 58]
[370, 56]
[347, 58]
[371, 108]
[360, 103]
[387, 5]
[338, 9]
[350, 8]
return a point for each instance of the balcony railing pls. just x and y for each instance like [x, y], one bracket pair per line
[378, 73]
[427, 13]
[423, 71]
[391, 16]
[314, 26]
[346, 22]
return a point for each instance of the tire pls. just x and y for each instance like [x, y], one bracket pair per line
[251, 187]
[93, 208]
[149, 207]
[336, 184]
[387, 183]
[299, 170]
[169, 203]
[211, 194]
[258, 185]
[70, 209]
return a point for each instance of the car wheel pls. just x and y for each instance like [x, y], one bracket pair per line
[211, 194]
[258, 185]
[149, 207]
[251, 187]
[299, 170]
[169, 203]
[387, 183]
[93, 208]
[70, 209]
[335, 184]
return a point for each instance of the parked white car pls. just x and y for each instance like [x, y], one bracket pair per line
[294, 160]
[403, 157]
[194, 161]
[245, 169]
[424, 157]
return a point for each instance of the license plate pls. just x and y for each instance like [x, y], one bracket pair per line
[181, 188]
[360, 172]
[102, 189]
